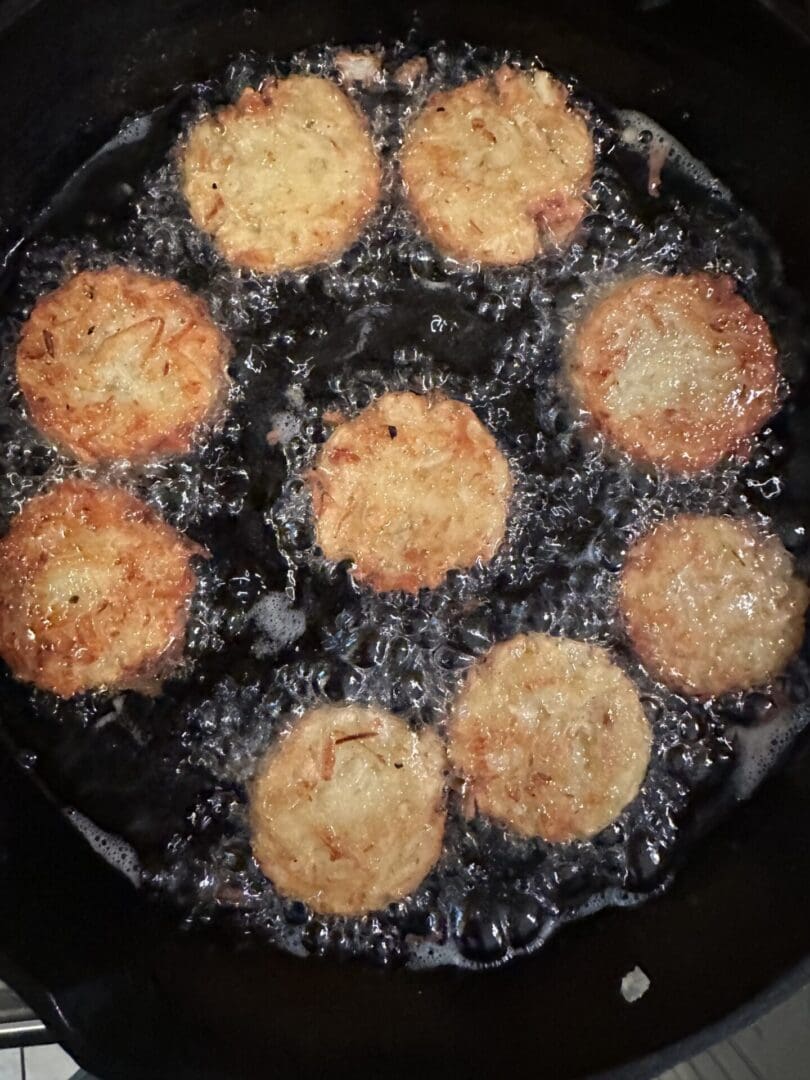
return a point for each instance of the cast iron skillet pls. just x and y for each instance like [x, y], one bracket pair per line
[131, 996]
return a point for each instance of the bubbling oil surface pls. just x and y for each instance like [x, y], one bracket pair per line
[276, 629]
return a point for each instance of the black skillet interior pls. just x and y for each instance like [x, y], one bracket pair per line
[129, 995]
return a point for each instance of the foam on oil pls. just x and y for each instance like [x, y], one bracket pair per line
[276, 629]
[113, 849]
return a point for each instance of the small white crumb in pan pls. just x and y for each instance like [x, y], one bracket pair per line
[635, 985]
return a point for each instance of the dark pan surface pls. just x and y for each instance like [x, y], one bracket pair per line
[339, 1028]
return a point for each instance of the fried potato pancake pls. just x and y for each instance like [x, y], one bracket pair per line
[412, 487]
[94, 589]
[712, 604]
[284, 178]
[496, 170]
[551, 736]
[119, 364]
[677, 371]
[348, 809]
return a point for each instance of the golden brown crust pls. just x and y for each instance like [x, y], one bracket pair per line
[94, 589]
[412, 487]
[712, 604]
[551, 736]
[496, 170]
[347, 810]
[286, 177]
[677, 371]
[119, 364]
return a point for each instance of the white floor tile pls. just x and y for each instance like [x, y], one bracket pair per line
[48, 1063]
[9, 1065]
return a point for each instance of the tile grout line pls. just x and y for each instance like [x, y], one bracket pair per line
[719, 1063]
[745, 1059]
